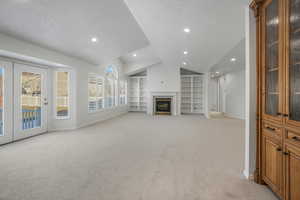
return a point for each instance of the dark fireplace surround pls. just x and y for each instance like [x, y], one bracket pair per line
[163, 105]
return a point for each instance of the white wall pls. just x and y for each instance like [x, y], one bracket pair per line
[250, 129]
[35, 55]
[212, 94]
[85, 118]
[232, 87]
[163, 79]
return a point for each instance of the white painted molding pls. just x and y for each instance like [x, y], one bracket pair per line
[172, 95]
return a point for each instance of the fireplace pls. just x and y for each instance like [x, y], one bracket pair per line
[163, 106]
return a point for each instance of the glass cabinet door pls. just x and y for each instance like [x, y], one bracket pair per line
[294, 60]
[272, 98]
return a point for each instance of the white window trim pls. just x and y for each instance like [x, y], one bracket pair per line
[55, 95]
[111, 81]
[96, 76]
[121, 96]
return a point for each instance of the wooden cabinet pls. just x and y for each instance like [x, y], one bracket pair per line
[272, 163]
[278, 91]
[292, 172]
[272, 92]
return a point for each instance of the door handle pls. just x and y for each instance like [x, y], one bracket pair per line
[278, 149]
[279, 114]
[271, 129]
[45, 101]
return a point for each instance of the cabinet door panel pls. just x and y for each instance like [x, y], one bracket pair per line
[293, 62]
[292, 170]
[272, 164]
[272, 62]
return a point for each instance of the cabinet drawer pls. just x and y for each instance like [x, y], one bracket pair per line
[272, 130]
[292, 137]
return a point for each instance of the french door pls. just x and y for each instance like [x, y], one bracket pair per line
[30, 101]
[6, 99]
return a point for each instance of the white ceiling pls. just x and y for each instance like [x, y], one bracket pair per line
[145, 57]
[225, 65]
[216, 27]
[153, 29]
[68, 26]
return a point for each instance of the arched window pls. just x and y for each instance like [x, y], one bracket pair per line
[111, 86]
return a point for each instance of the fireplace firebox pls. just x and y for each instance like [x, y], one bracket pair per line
[163, 106]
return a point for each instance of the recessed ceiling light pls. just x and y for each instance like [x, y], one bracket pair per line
[184, 63]
[134, 55]
[94, 39]
[217, 72]
[233, 59]
[185, 52]
[187, 30]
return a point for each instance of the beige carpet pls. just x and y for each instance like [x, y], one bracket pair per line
[133, 157]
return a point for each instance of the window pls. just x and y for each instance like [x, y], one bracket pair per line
[111, 89]
[62, 102]
[123, 92]
[96, 96]
[110, 93]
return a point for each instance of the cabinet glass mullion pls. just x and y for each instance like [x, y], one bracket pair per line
[272, 58]
[294, 59]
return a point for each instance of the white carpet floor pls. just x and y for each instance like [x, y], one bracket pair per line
[132, 157]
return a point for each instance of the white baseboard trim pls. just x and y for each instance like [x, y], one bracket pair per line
[248, 176]
[62, 129]
[234, 116]
[116, 114]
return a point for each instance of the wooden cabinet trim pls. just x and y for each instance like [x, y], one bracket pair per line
[287, 127]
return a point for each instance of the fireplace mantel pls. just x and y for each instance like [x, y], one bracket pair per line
[172, 95]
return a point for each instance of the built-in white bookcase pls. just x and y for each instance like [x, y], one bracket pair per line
[192, 91]
[138, 93]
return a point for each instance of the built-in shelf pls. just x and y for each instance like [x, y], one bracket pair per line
[273, 93]
[273, 44]
[191, 94]
[297, 30]
[138, 87]
[273, 69]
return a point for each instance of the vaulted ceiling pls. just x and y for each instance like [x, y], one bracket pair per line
[151, 29]
[216, 27]
[67, 26]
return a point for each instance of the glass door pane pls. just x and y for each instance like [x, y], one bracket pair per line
[31, 100]
[272, 58]
[294, 62]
